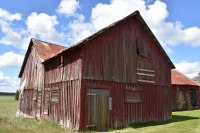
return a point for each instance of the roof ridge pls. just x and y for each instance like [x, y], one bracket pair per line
[185, 76]
[49, 43]
[142, 22]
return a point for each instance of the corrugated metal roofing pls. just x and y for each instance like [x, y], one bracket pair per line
[180, 79]
[141, 20]
[44, 50]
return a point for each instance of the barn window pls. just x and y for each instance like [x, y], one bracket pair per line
[54, 95]
[133, 95]
[142, 49]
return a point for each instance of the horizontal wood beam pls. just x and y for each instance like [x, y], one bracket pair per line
[143, 74]
[145, 70]
[146, 81]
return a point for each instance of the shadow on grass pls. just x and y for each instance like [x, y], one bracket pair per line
[175, 118]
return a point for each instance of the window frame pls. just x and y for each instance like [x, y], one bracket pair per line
[54, 90]
[134, 91]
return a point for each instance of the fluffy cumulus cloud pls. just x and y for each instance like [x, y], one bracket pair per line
[8, 84]
[11, 60]
[68, 7]
[12, 36]
[189, 69]
[43, 25]
[6, 16]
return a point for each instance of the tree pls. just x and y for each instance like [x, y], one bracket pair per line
[197, 78]
[17, 95]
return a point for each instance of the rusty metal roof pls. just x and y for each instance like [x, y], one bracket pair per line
[44, 50]
[180, 79]
[141, 20]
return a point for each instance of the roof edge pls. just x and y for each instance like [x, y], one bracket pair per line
[140, 19]
[25, 58]
[186, 77]
[83, 41]
[148, 30]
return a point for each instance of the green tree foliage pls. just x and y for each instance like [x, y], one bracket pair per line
[197, 78]
[17, 95]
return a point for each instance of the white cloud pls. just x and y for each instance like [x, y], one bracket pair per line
[12, 37]
[166, 48]
[8, 84]
[2, 77]
[68, 7]
[189, 69]
[6, 16]
[11, 60]
[80, 30]
[44, 26]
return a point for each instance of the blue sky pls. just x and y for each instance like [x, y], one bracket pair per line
[175, 23]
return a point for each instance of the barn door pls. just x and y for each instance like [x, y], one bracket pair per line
[98, 109]
[193, 97]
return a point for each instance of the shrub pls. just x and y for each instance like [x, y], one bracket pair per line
[180, 100]
[17, 95]
[188, 105]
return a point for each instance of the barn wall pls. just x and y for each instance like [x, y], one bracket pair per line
[112, 55]
[185, 91]
[33, 71]
[64, 73]
[63, 68]
[34, 75]
[155, 104]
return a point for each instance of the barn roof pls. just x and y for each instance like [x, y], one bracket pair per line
[141, 20]
[180, 79]
[44, 50]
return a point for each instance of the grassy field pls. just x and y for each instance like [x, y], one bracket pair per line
[183, 121]
[9, 122]
[7, 97]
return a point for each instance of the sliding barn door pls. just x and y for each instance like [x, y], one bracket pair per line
[193, 97]
[98, 109]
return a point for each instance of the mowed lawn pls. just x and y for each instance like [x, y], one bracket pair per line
[182, 121]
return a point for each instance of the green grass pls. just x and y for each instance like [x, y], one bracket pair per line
[182, 121]
[10, 123]
[7, 97]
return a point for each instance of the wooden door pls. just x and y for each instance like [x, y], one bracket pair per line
[98, 109]
[193, 97]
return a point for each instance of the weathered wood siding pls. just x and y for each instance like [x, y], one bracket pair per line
[155, 104]
[64, 73]
[113, 55]
[34, 75]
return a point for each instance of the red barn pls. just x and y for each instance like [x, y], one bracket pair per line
[186, 86]
[117, 76]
